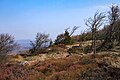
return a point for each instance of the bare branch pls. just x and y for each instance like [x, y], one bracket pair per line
[94, 23]
[7, 43]
[74, 29]
[41, 40]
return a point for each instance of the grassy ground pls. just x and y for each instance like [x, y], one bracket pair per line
[58, 64]
[106, 66]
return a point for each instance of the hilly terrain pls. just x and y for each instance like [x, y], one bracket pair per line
[56, 63]
[91, 55]
[24, 44]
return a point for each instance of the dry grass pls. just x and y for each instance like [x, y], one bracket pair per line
[74, 67]
[64, 69]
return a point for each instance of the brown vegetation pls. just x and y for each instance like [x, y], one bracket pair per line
[65, 61]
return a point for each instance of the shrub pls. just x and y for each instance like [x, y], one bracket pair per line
[40, 43]
[7, 43]
[15, 72]
[65, 38]
[87, 49]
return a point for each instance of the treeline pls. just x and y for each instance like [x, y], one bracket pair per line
[109, 35]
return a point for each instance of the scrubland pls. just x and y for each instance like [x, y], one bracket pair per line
[58, 64]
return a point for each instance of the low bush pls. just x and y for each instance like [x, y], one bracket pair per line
[15, 72]
[87, 49]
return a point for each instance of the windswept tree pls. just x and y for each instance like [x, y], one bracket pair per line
[114, 14]
[65, 38]
[114, 20]
[73, 30]
[112, 30]
[41, 41]
[59, 39]
[94, 24]
[7, 43]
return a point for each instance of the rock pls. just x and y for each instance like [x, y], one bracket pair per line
[23, 63]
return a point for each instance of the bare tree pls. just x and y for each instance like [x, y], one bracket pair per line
[114, 17]
[114, 14]
[7, 43]
[94, 23]
[111, 31]
[59, 39]
[65, 38]
[41, 41]
[73, 30]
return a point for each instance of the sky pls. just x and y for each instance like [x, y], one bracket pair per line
[24, 18]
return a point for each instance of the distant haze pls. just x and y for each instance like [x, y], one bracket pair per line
[24, 44]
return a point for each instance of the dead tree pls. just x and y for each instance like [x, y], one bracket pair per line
[114, 16]
[40, 42]
[112, 30]
[73, 30]
[94, 23]
[7, 43]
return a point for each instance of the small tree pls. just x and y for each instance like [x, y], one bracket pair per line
[51, 43]
[94, 23]
[114, 14]
[59, 39]
[112, 30]
[7, 43]
[65, 38]
[41, 41]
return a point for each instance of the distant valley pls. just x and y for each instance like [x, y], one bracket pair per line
[24, 44]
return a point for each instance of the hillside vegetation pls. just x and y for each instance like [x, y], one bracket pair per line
[58, 64]
[91, 55]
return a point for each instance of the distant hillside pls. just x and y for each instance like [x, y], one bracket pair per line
[24, 44]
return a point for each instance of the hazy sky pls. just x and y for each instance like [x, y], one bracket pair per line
[24, 18]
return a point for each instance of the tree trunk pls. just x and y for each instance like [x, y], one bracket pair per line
[94, 43]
